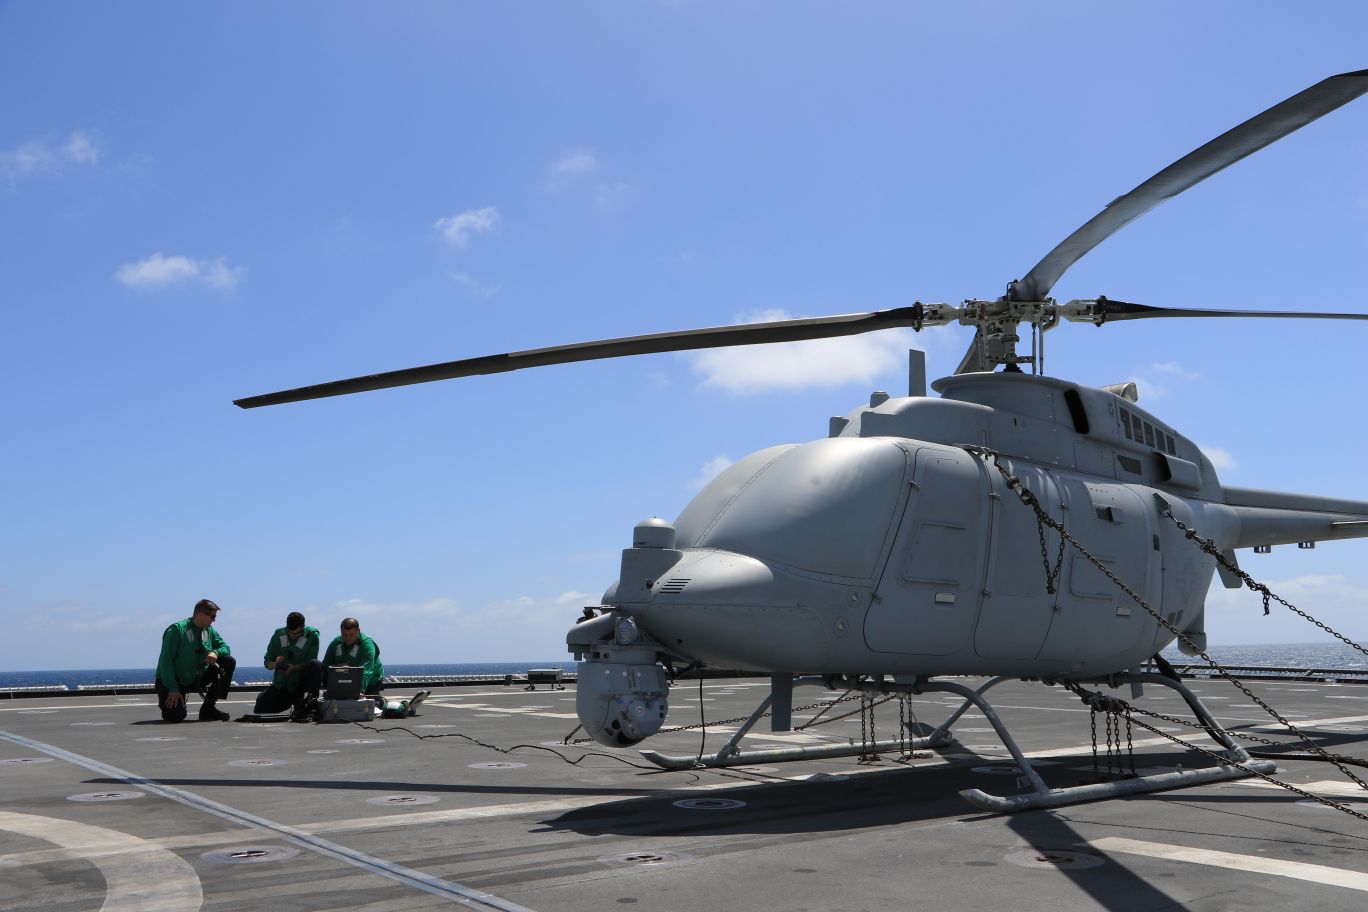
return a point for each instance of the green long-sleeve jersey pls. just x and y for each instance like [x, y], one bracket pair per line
[301, 650]
[363, 653]
[183, 649]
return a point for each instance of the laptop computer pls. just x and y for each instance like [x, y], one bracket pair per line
[344, 683]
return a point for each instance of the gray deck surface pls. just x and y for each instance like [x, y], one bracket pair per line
[287, 816]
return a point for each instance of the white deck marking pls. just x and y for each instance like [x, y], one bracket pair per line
[1297, 870]
[466, 896]
[139, 876]
[1330, 788]
[508, 710]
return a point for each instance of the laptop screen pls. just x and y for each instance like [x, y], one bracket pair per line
[344, 683]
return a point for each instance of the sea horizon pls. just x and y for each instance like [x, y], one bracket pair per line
[94, 677]
[1283, 655]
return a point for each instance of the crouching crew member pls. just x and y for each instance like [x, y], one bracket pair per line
[355, 648]
[292, 654]
[194, 658]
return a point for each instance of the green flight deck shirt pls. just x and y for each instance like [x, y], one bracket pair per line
[302, 650]
[365, 653]
[183, 649]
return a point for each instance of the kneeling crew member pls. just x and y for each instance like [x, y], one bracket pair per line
[292, 654]
[355, 648]
[194, 658]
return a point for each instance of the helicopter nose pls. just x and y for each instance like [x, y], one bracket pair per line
[734, 610]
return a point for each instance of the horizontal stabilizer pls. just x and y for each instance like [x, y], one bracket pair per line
[1279, 518]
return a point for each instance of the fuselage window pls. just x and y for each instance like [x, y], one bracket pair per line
[1125, 423]
[1149, 434]
[1168, 444]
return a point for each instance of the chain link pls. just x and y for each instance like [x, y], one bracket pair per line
[1044, 519]
[1243, 736]
[1209, 546]
[1226, 761]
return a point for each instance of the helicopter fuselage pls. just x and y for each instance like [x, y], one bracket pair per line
[889, 549]
[893, 547]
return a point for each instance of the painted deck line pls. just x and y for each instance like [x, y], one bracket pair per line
[475, 899]
[506, 710]
[1330, 788]
[139, 876]
[1297, 870]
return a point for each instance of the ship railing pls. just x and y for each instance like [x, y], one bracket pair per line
[46, 690]
[1277, 673]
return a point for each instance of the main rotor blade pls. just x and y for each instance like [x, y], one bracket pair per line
[1104, 311]
[1226, 149]
[683, 340]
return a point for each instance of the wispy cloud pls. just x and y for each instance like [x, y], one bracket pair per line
[1157, 379]
[1236, 615]
[615, 195]
[160, 271]
[1220, 459]
[81, 149]
[573, 162]
[37, 157]
[521, 626]
[473, 287]
[458, 229]
[813, 363]
[84, 619]
[710, 470]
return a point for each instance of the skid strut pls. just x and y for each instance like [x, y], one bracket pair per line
[731, 753]
[1040, 796]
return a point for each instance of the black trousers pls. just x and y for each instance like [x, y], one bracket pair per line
[212, 685]
[277, 699]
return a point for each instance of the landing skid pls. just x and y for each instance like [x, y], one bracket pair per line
[1040, 796]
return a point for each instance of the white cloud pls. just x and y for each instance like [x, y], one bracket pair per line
[40, 157]
[458, 229]
[443, 629]
[574, 161]
[801, 365]
[1236, 615]
[1220, 459]
[710, 470]
[362, 609]
[27, 160]
[160, 271]
[1156, 379]
[80, 148]
[473, 287]
[86, 620]
[618, 195]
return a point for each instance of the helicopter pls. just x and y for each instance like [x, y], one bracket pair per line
[906, 547]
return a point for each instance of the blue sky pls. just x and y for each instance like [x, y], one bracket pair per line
[203, 202]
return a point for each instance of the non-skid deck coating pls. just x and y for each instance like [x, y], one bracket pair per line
[101, 807]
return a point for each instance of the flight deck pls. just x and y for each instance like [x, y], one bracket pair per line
[102, 806]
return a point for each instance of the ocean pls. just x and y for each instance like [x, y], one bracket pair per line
[1295, 655]
[110, 676]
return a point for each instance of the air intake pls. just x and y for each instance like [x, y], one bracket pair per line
[673, 587]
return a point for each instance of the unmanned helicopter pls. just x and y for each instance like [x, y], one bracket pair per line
[907, 545]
